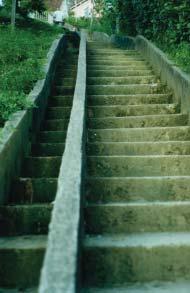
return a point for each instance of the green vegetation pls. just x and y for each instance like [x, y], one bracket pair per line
[100, 25]
[22, 55]
[165, 22]
[26, 6]
[180, 54]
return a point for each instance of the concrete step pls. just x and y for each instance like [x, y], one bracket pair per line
[28, 290]
[121, 218]
[58, 113]
[119, 67]
[137, 121]
[33, 190]
[117, 259]
[98, 100]
[122, 80]
[175, 133]
[130, 110]
[137, 189]
[131, 89]
[118, 73]
[48, 149]
[38, 167]
[21, 259]
[24, 219]
[56, 125]
[111, 52]
[130, 166]
[151, 287]
[116, 62]
[61, 101]
[52, 136]
[66, 81]
[66, 67]
[139, 148]
[120, 57]
[64, 90]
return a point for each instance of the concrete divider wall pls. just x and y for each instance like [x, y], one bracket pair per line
[60, 269]
[16, 135]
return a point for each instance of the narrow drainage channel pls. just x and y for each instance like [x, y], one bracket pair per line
[24, 220]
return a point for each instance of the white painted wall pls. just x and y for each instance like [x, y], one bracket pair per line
[84, 9]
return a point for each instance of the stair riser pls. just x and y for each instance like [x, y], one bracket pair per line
[110, 149]
[123, 90]
[117, 62]
[27, 190]
[101, 219]
[63, 72]
[122, 111]
[122, 81]
[119, 67]
[128, 100]
[20, 267]
[137, 189]
[118, 73]
[111, 266]
[56, 125]
[106, 52]
[23, 220]
[136, 122]
[61, 102]
[120, 57]
[66, 81]
[48, 149]
[42, 167]
[52, 136]
[140, 134]
[58, 113]
[64, 90]
[139, 166]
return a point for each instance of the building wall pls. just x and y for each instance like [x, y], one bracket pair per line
[83, 10]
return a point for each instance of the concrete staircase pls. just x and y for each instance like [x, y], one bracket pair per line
[24, 220]
[137, 212]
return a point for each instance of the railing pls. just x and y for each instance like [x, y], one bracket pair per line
[44, 16]
[59, 272]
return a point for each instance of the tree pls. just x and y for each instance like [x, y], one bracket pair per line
[23, 7]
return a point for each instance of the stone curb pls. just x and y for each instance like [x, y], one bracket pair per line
[60, 269]
[16, 134]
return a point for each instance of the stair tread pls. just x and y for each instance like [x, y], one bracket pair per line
[152, 287]
[23, 242]
[147, 240]
[139, 204]
[141, 116]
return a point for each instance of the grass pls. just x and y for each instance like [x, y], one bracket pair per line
[22, 53]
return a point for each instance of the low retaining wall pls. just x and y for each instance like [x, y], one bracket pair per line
[176, 80]
[60, 269]
[16, 135]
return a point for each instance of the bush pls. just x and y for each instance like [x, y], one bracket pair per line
[164, 20]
